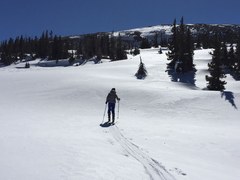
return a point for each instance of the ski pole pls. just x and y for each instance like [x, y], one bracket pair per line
[104, 112]
[118, 109]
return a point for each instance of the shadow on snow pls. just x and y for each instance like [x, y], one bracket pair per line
[229, 96]
[106, 124]
[188, 77]
[234, 75]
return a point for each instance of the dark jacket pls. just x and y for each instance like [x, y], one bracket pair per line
[111, 97]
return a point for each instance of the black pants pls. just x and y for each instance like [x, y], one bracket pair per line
[111, 109]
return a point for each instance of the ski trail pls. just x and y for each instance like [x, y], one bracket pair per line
[153, 168]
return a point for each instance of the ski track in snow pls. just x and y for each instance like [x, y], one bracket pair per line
[152, 167]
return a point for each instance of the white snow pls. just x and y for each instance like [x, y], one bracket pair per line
[146, 31]
[50, 117]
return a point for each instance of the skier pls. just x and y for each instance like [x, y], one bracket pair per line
[111, 100]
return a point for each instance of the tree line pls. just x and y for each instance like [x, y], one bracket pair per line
[181, 47]
[54, 47]
[47, 46]
[101, 45]
[224, 59]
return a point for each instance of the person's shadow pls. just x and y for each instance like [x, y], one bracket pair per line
[105, 125]
[229, 96]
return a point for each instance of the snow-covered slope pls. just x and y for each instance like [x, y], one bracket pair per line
[50, 117]
[147, 31]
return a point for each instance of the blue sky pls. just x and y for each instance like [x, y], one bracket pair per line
[72, 17]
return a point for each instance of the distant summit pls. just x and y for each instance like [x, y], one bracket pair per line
[163, 33]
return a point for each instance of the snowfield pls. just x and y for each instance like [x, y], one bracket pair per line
[167, 130]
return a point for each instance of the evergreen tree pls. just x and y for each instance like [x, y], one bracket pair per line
[181, 48]
[55, 49]
[98, 48]
[231, 57]
[216, 73]
[58, 50]
[136, 51]
[7, 55]
[173, 46]
[181, 41]
[27, 65]
[90, 46]
[188, 53]
[198, 43]
[155, 40]
[21, 47]
[224, 55]
[145, 44]
[104, 44]
[112, 48]
[41, 44]
[120, 52]
[64, 47]
[237, 60]
[160, 50]
[46, 45]
[142, 72]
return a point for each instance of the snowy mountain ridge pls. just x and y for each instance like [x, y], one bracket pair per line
[165, 29]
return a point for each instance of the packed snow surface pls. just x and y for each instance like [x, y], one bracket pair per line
[169, 127]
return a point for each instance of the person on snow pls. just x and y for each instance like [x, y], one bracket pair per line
[111, 100]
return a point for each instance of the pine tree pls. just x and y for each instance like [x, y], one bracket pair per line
[46, 45]
[181, 48]
[188, 53]
[7, 55]
[112, 48]
[198, 43]
[41, 44]
[142, 72]
[58, 50]
[224, 55]
[181, 41]
[155, 41]
[145, 44]
[21, 47]
[120, 52]
[231, 57]
[237, 60]
[55, 53]
[136, 51]
[173, 46]
[64, 47]
[27, 65]
[216, 73]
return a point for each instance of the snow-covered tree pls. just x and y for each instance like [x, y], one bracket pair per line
[216, 72]
[136, 51]
[142, 72]
[173, 46]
